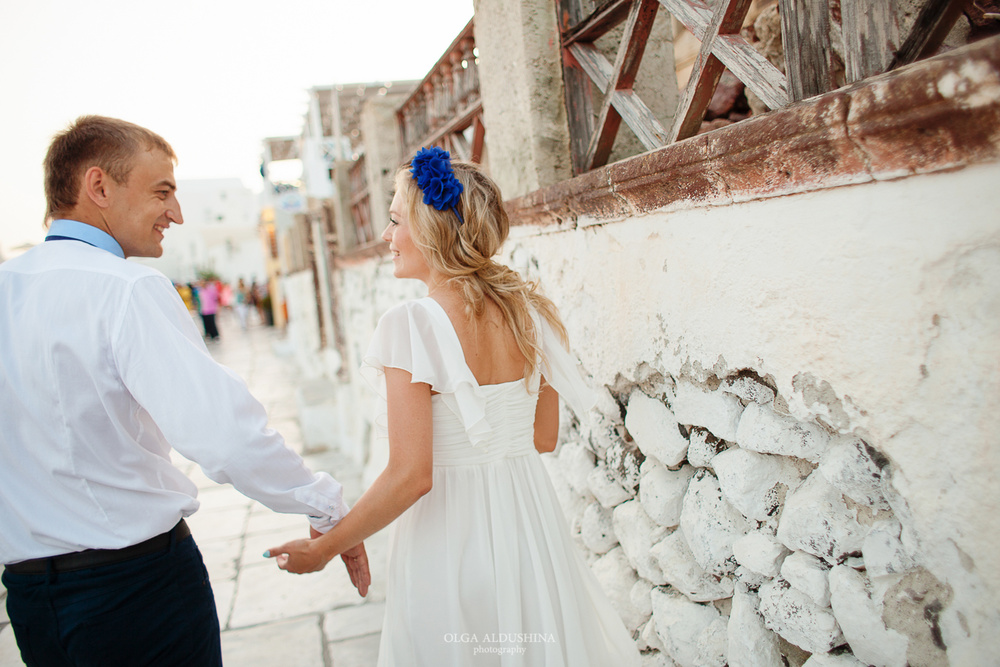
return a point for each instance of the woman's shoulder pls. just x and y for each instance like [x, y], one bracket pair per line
[422, 308]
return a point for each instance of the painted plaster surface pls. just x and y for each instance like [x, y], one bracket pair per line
[874, 311]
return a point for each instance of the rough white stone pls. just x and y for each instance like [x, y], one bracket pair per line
[861, 621]
[703, 447]
[883, 551]
[577, 462]
[760, 553]
[656, 660]
[763, 430]
[649, 637]
[617, 577]
[711, 524]
[654, 429]
[749, 389]
[682, 571]
[748, 579]
[816, 520]
[808, 574]
[717, 411]
[605, 487]
[688, 630]
[637, 534]
[751, 644]
[850, 465]
[830, 660]
[639, 596]
[794, 616]
[596, 529]
[661, 492]
[754, 483]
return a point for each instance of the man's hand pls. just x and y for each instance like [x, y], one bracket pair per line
[356, 561]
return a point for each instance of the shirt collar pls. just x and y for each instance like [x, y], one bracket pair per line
[86, 233]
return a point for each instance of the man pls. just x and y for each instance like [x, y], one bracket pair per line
[102, 371]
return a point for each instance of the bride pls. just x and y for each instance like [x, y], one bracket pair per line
[482, 569]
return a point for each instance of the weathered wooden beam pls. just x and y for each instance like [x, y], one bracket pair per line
[478, 138]
[639, 118]
[932, 25]
[753, 69]
[579, 109]
[805, 31]
[598, 23]
[633, 44]
[871, 36]
[694, 15]
[727, 20]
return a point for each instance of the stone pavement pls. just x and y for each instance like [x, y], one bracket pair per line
[268, 616]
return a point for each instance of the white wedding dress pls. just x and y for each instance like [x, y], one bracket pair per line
[482, 569]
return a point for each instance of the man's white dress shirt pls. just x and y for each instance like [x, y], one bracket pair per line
[102, 371]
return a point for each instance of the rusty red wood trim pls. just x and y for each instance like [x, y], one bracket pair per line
[727, 20]
[935, 20]
[599, 22]
[633, 45]
[478, 138]
[890, 126]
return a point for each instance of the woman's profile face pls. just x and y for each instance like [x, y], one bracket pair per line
[407, 260]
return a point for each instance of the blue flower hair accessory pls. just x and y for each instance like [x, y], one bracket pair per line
[431, 169]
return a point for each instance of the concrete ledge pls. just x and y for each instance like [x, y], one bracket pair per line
[935, 115]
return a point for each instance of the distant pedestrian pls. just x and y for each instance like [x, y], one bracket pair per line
[102, 372]
[208, 299]
[242, 303]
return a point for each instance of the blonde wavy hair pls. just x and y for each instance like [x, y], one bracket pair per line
[464, 253]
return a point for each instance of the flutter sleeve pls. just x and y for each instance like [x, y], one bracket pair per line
[417, 337]
[562, 370]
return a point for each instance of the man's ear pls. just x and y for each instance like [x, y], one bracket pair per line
[98, 186]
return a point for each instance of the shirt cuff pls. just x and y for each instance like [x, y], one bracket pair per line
[324, 523]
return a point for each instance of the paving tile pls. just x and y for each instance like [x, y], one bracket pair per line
[255, 545]
[264, 520]
[351, 622]
[221, 557]
[296, 643]
[9, 655]
[264, 593]
[360, 652]
[223, 592]
[221, 496]
[222, 523]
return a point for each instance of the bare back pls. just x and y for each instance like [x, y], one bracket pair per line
[488, 343]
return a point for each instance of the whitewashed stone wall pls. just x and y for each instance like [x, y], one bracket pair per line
[797, 451]
[795, 454]
[728, 532]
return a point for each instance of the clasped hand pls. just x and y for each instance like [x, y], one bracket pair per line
[302, 556]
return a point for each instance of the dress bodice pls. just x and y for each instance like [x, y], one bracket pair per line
[510, 410]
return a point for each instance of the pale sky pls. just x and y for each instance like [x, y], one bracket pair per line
[213, 77]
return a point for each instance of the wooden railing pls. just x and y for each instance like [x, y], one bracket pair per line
[446, 104]
[360, 202]
[870, 47]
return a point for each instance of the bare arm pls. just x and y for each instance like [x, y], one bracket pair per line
[546, 418]
[408, 476]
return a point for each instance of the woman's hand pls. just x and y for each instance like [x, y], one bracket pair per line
[301, 556]
[356, 561]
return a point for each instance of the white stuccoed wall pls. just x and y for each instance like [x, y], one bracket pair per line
[874, 309]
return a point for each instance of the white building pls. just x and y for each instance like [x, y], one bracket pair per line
[219, 233]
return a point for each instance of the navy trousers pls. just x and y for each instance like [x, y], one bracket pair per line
[156, 610]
